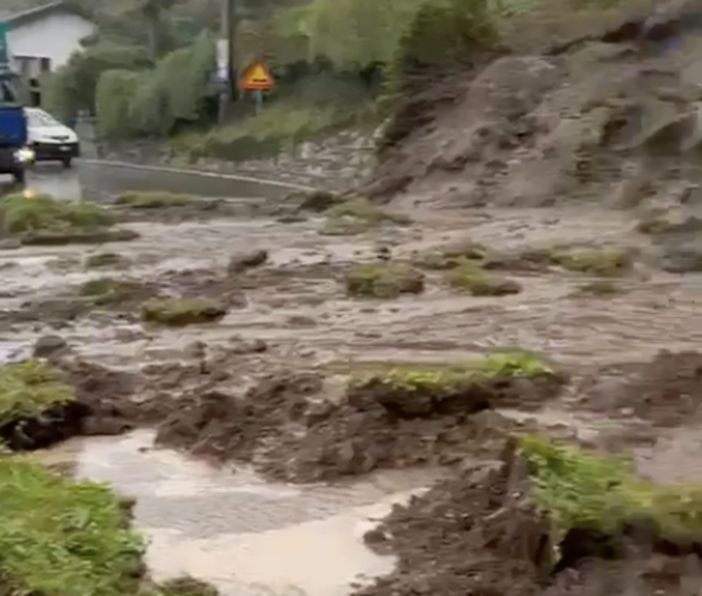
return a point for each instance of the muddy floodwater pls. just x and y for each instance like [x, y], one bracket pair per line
[230, 527]
[290, 313]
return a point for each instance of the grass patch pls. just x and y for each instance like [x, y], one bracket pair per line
[451, 256]
[579, 490]
[30, 388]
[154, 200]
[470, 278]
[364, 210]
[358, 216]
[383, 281]
[106, 290]
[178, 312]
[279, 126]
[423, 378]
[63, 537]
[604, 262]
[21, 215]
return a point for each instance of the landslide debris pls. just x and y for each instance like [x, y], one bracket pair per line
[545, 520]
[667, 391]
[43, 402]
[609, 118]
[292, 429]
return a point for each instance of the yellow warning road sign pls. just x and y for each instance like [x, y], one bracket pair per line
[257, 77]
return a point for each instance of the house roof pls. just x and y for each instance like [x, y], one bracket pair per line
[19, 18]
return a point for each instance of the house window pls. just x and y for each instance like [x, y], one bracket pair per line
[44, 64]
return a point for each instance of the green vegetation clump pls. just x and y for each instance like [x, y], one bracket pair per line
[604, 262]
[502, 365]
[154, 200]
[30, 388]
[63, 537]
[357, 216]
[365, 210]
[580, 490]
[384, 281]
[178, 312]
[470, 278]
[42, 213]
[106, 290]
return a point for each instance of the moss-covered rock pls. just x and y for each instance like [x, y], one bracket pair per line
[424, 390]
[178, 312]
[154, 200]
[470, 278]
[383, 280]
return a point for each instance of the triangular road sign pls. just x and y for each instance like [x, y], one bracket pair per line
[257, 77]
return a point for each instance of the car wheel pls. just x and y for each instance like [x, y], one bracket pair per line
[67, 163]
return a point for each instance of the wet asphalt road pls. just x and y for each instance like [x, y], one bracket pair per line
[99, 181]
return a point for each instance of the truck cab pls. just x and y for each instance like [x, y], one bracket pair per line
[15, 155]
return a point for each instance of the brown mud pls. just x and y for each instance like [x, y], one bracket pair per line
[290, 427]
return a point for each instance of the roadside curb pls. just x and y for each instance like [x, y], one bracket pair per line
[164, 169]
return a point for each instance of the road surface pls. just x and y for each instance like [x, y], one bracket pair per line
[93, 181]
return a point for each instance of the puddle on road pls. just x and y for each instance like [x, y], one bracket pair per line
[244, 535]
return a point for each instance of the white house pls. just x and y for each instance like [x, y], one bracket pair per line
[42, 39]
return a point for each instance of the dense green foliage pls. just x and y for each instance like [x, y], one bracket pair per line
[581, 490]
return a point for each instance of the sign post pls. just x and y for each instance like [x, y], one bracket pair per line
[257, 78]
[4, 53]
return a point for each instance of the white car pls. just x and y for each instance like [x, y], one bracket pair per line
[51, 140]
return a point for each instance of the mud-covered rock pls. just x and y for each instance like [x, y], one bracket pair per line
[248, 260]
[179, 312]
[49, 345]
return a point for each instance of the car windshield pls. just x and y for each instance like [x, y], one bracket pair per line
[39, 118]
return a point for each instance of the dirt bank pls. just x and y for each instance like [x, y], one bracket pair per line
[294, 429]
[479, 534]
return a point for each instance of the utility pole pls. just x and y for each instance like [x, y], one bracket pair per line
[225, 58]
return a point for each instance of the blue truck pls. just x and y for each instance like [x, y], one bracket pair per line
[15, 155]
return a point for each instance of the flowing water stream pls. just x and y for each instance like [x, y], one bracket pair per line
[231, 528]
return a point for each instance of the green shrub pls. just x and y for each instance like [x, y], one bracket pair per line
[581, 490]
[470, 278]
[384, 281]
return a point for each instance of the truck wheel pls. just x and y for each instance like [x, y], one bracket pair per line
[20, 176]
[67, 163]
